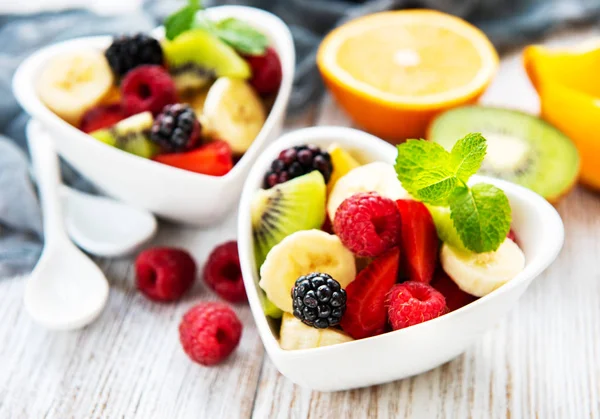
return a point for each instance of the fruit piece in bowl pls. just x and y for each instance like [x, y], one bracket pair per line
[383, 318]
[105, 108]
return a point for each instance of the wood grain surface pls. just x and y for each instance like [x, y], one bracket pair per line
[541, 361]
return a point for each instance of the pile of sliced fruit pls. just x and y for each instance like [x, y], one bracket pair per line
[195, 100]
[348, 250]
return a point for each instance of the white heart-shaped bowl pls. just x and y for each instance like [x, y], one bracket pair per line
[402, 353]
[169, 192]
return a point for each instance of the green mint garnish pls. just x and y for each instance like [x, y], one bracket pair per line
[182, 20]
[481, 214]
[236, 33]
[241, 36]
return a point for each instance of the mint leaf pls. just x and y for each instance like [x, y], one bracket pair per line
[241, 36]
[467, 155]
[425, 171]
[481, 215]
[182, 20]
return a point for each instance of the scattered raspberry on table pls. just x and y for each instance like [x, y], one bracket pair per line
[223, 274]
[209, 332]
[164, 274]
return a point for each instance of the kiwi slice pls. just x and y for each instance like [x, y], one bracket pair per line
[196, 57]
[298, 204]
[130, 135]
[521, 148]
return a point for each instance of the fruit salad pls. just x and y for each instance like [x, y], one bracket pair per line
[195, 100]
[348, 249]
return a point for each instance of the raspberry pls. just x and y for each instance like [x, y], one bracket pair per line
[412, 303]
[209, 332]
[266, 72]
[368, 224]
[223, 274]
[176, 128]
[297, 161]
[147, 88]
[102, 116]
[128, 52]
[164, 274]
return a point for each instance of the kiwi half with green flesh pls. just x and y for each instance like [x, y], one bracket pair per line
[521, 148]
[196, 57]
[130, 135]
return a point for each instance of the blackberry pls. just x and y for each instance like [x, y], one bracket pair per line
[318, 300]
[127, 52]
[176, 128]
[298, 161]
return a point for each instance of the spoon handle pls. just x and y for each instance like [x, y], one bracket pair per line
[47, 173]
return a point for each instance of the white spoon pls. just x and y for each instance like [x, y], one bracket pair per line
[99, 225]
[66, 290]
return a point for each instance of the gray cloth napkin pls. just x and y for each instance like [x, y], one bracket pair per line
[508, 23]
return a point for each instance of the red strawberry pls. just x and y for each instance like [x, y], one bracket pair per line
[511, 235]
[455, 297]
[102, 116]
[210, 159]
[327, 227]
[266, 72]
[418, 239]
[366, 313]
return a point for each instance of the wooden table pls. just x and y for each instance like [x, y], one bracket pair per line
[542, 360]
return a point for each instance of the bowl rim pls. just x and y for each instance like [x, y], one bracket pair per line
[25, 80]
[355, 138]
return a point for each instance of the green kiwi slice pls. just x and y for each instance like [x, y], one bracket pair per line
[298, 204]
[196, 57]
[130, 135]
[521, 148]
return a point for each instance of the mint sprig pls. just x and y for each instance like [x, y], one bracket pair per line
[181, 20]
[241, 36]
[234, 32]
[481, 214]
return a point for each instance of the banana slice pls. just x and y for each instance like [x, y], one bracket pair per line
[373, 177]
[234, 113]
[480, 274]
[296, 335]
[301, 253]
[72, 83]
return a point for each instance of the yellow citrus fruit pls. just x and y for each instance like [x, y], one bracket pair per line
[394, 71]
[342, 163]
[568, 84]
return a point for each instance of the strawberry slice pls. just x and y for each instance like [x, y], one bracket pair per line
[102, 116]
[418, 240]
[210, 159]
[455, 297]
[511, 235]
[366, 314]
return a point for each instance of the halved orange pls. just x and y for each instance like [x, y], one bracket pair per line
[394, 71]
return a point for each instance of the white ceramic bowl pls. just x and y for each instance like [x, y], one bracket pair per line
[169, 192]
[402, 353]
